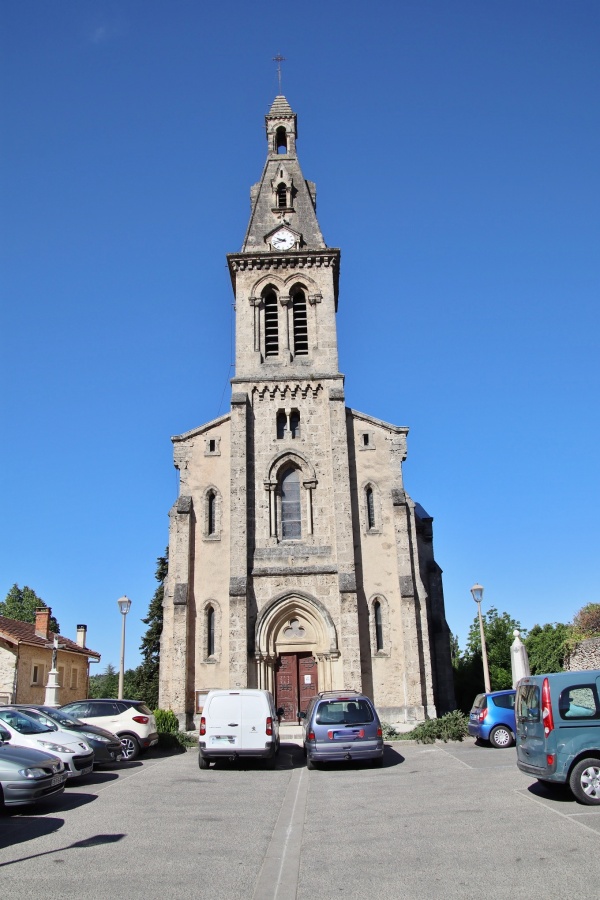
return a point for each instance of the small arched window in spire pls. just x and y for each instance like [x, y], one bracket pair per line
[271, 325]
[378, 625]
[370, 507]
[210, 631]
[281, 140]
[281, 424]
[281, 196]
[300, 324]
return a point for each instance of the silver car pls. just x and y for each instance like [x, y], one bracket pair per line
[27, 775]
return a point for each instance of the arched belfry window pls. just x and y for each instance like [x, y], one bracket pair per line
[211, 513]
[281, 424]
[271, 324]
[281, 140]
[210, 631]
[300, 323]
[295, 423]
[282, 196]
[291, 518]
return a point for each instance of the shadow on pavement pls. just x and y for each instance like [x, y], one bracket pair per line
[16, 829]
[93, 841]
[559, 793]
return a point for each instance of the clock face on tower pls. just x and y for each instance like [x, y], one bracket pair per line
[283, 239]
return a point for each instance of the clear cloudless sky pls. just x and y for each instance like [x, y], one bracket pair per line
[455, 145]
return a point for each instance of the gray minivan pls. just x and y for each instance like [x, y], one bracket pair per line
[341, 726]
[558, 730]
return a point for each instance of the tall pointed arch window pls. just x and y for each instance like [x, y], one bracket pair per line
[211, 513]
[300, 323]
[378, 621]
[271, 324]
[210, 631]
[291, 516]
[370, 503]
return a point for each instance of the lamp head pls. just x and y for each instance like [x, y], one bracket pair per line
[124, 604]
[477, 591]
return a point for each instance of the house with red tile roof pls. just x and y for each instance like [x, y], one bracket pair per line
[26, 658]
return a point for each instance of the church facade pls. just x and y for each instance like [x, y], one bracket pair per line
[297, 561]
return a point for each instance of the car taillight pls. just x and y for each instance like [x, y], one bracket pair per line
[482, 713]
[550, 759]
[547, 717]
[141, 720]
[379, 732]
[269, 725]
[202, 725]
[311, 736]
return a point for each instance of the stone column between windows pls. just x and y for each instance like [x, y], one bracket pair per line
[271, 487]
[313, 299]
[309, 485]
[256, 303]
[286, 303]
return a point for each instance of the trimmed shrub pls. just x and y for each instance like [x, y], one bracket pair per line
[451, 727]
[166, 721]
[389, 732]
[169, 735]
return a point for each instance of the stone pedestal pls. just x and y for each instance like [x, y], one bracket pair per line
[52, 689]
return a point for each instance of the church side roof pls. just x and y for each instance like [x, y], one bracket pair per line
[200, 429]
[398, 429]
[17, 632]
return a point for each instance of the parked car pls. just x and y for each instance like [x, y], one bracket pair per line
[341, 725]
[130, 720]
[238, 723]
[27, 775]
[76, 754]
[558, 730]
[492, 718]
[106, 746]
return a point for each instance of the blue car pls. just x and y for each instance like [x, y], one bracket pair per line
[492, 718]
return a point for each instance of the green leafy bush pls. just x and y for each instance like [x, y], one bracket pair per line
[166, 721]
[389, 732]
[169, 735]
[451, 727]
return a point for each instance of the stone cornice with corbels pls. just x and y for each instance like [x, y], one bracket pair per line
[297, 259]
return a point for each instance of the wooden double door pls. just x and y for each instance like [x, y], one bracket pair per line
[295, 683]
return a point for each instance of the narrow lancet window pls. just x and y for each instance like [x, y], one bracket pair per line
[281, 424]
[211, 513]
[300, 324]
[281, 196]
[210, 631]
[370, 508]
[378, 625]
[271, 325]
[281, 140]
[295, 423]
[291, 522]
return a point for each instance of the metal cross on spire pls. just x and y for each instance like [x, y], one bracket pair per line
[279, 59]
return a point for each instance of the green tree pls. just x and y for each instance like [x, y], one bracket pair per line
[587, 621]
[146, 674]
[104, 685]
[21, 604]
[498, 629]
[546, 647]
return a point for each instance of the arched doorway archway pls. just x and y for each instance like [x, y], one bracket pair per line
[296, 642]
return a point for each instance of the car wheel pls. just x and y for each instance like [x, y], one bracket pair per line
[203, 762]
[501, 737]
[130, 749]
[585, 781]
[309, 763]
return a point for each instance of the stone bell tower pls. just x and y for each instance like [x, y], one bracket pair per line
[297, 562]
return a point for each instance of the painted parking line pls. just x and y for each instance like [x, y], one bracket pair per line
[283, 852]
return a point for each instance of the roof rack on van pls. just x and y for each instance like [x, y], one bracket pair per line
[340, 693]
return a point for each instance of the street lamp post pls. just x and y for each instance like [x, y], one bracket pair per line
[477, 591]
[124, 604]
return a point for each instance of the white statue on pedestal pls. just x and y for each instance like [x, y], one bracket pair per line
[53, 687]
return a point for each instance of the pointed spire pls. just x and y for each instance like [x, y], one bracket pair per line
[280, 107]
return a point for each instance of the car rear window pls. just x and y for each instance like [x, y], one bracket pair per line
[480, 701]
[528, 703]
[344, 712]
[141, 707]
[579, 702]
[505, 701]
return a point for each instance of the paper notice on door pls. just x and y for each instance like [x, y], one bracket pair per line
[308, 679]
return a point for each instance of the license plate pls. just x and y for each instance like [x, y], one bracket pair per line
[87, 770]
[222, 739]
[57, 779]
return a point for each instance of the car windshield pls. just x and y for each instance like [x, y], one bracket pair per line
[61, 718]
[344, 712]
[22, 723]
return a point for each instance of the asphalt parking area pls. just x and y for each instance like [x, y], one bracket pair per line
[443, 820]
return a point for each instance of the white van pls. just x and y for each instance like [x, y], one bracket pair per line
[238, 723]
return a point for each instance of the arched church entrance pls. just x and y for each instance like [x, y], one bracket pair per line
[296, 642]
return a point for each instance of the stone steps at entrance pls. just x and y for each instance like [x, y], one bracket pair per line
[289, 732]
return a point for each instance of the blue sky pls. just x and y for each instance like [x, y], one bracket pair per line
[455, 148]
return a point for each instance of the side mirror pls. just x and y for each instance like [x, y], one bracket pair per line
[301, 715]
[280, 711]
[4, 735]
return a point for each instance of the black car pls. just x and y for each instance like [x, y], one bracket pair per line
[106, 746]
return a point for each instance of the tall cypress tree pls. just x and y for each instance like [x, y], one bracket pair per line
[146, 674]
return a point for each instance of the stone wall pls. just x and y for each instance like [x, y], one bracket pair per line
[586, 655]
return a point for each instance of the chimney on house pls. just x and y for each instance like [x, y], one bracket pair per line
[81, 635]
[42, 622]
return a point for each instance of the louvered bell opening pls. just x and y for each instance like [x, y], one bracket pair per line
[300, 325]
[291, 516]
[281, 196]
[271, 326]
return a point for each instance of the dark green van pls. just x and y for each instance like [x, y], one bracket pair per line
[558, 730]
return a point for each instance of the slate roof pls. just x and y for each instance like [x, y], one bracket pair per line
[280, 107]
[24, 633]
